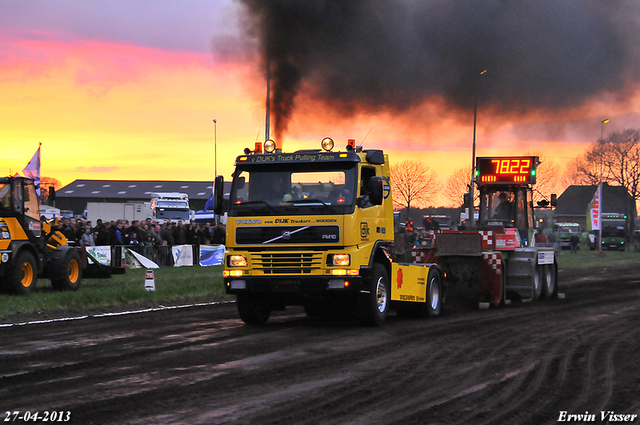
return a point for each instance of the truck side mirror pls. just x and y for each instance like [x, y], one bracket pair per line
[218, 197]
[554, 199]
[376, 190]
[52, 194]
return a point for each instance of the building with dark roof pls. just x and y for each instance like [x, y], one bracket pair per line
[75, 195]
[572, 205]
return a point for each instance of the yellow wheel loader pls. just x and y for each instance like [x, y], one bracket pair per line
[31, 247]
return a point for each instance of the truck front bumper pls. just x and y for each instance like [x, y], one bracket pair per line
[294, 285]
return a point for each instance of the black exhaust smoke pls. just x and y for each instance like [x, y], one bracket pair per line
[372, 55]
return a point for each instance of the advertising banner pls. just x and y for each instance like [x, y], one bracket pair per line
[594, 210]
[100, 253]
[211, 255]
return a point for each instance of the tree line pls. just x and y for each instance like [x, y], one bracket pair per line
[615, 159]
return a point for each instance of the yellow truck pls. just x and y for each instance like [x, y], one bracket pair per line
[315, 228]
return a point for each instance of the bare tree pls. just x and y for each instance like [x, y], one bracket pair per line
[413, 183]
[457, 185]
[45, 184]
[618, 156]
[548, 178]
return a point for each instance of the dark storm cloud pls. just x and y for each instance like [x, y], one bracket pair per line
[379, 54]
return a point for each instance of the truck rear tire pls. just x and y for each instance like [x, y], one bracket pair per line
[253, 310]
[373, 304]
[68, 273]
[434, 294]
[24, 274]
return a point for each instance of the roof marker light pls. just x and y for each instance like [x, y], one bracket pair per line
[269, 146]
[327, 144]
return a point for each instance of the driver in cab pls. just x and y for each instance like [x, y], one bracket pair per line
[504, 210]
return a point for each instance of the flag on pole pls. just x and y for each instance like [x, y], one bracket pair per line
[209, 203]
[32, 170]
[595, 210]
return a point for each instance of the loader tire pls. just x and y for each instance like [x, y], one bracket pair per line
[24, 275]
[68, 272]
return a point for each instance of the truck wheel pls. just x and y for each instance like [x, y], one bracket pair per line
[373, 304]
[537, 282]
[550, 285]
[253, 310]
[68, 274]
[24, 274]
[313, 309]
[433, 303]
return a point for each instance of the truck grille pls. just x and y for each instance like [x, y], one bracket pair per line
[281, 235]
[287, 263]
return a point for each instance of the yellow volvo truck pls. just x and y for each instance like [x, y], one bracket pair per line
[315, 228]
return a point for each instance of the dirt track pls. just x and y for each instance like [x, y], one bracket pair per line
[521, 364]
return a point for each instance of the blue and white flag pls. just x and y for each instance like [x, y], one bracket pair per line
[32, 170]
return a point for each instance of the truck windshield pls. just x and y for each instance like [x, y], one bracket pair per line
[294, 189]
[174, 205]
[613, 229]
[509, 207]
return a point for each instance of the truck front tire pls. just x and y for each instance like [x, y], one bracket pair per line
[373, 303]
[253, 310]
[24, 274]
[433, 304]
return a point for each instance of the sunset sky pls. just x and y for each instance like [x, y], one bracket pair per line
[130, 89]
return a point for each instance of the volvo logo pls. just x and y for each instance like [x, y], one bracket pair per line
[249, 221]
[286, 235]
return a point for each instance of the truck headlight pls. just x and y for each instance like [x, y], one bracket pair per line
[5, 257]
[341, 260]
[238, 261]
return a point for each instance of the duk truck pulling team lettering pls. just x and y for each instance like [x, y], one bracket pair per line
[315, 228]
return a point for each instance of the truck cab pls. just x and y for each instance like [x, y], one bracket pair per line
[170, 206]
[312, 228]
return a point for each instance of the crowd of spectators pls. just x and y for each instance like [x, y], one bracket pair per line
[148, 237]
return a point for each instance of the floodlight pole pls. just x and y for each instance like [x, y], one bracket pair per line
[472, 219]
[602, 123]
[215, 148]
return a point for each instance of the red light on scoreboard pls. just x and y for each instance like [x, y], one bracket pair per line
[505, 170]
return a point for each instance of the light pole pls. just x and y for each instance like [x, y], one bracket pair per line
[472, 219]
[602, 123]
[215, 148]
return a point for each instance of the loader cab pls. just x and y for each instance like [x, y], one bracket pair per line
[18, 198]
[506, 197]
[509, 207]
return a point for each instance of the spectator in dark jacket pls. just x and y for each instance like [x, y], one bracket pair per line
[167, 234]
[179, 234]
